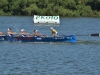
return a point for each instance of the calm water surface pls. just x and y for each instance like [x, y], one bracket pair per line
[80, 58]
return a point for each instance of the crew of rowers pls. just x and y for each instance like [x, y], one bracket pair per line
[24, 34]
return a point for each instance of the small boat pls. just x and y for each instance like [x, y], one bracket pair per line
[62, 38]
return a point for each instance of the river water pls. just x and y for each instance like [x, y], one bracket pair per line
[80, 58]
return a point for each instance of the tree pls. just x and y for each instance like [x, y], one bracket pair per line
[50, 7]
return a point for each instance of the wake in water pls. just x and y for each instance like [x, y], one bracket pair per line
[78, 42]
[88, 42]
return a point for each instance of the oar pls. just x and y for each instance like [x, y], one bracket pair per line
[96, 34]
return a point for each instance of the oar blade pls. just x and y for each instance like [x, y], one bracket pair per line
[95, 34]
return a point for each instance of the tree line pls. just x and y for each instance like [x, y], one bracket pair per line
[71, 8]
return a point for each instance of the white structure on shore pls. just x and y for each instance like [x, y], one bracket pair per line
[46, 19]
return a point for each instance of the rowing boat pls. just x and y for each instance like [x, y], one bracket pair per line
[62, 38]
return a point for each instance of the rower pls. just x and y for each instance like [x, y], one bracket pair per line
[10, 33]
[36, 34]
[54, 32]
[24, 34]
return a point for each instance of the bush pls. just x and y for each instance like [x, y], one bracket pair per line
[1, 12]
[50, 7]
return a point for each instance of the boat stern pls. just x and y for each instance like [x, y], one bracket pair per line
[71, 38]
